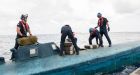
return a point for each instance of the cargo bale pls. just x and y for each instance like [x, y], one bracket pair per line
[69, 49]
[91, 46]
[27, 40]
[94, 46]
[68, 44]
[69, 52]
[33, 39]
[87, 47]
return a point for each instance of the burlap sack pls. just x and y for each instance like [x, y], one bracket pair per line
[68, 44]
[27, 40]
[95, 46]
[68, 48]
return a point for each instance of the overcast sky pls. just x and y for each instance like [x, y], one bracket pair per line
[48, 16]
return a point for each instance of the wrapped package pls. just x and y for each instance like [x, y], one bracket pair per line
[69, 48]
[27, 40]
[91, 46]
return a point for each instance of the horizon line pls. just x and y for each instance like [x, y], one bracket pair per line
[60, 33]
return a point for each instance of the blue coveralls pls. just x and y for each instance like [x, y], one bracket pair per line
[67, 31]
[97, 35]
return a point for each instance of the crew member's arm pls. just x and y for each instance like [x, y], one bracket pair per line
[108, 26]
[29, 31]
[98, 24]
[97, 36]
[61, 30]
[18, 31]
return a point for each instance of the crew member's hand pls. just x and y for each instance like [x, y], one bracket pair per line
[24, 36]
[108, 28]
[30, 34]
[21, 35]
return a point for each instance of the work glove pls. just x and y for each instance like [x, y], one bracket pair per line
[108, 28]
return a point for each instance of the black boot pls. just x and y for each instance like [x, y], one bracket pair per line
[13, 50]
[101, 45]
[110, 45]
[77, 53]
[61, 53]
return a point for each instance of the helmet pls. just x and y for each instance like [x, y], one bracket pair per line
[91, 30]
[67, 25]
[99, 15]
[24, 16]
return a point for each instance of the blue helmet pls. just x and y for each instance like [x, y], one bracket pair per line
[99, 15]
[24, 16]
[91, 30]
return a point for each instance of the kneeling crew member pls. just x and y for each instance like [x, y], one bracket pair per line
[95, 33]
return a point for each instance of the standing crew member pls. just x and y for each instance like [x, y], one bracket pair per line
[103, 24]
[95, 33]
[22, 29]
[67, 31]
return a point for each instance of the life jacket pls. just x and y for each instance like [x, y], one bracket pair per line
[94, 32]
[25, 26]
[100, 21]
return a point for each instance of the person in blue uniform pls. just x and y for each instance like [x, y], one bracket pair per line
[67, 31]
[94, 33]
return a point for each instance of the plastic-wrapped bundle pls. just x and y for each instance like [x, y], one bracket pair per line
[27, 40]
[91, 46]
[68, 44]
[68, 48]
